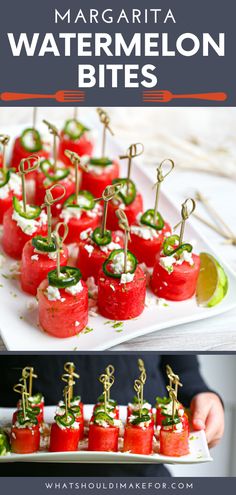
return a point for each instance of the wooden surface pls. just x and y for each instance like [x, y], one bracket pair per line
[214, 128]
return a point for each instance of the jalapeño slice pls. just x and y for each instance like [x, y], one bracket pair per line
[51, 174]
[148, 219]
[127, 199]
[41, 244]
[30, 140]
[29, 420]
[101, 239]
[74, 129]
[66, 419]
[100, 162]
[163, 401]
[69, 275]
[169, 421]
[76, 410]
[114, 260]
[143, 418]
[170, 248]
[4, 177]
[33, 213]
[85, 201]
[102, 416]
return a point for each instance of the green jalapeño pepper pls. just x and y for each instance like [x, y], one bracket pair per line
[170, 246]
[85, 201]
[51, 174]
[100, 162]
[74, 129]
[102, 416]
[32, 211]
[111, 266]
[41, 244]
[148, 219]
[30, 418]
[101, 239]
[4, 177]
[31, 141]
[126, 197]
[66, 420]
[69, 276]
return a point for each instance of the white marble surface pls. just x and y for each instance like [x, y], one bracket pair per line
[158, 129]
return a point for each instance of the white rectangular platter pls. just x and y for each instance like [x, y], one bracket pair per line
[199, 451]
[18, 311]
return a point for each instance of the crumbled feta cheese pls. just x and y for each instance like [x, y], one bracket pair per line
[167, 263]
[126, 278]
[102, 423]
[89, 249]
[112, 287]
[29, 226]
[52, 255]
[74, 289]
[117, 264]
[85, 234]
[146, 233]
[13, 185]
[109, 247]
[35, 257]
[53, 293]
[77, 323]
[185, 256]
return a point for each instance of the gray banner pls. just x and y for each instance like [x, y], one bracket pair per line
[41, 486]
[48, 69]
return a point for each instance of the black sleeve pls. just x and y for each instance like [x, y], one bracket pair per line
[188, 369]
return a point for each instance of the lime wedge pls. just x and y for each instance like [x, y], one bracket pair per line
[212, 284]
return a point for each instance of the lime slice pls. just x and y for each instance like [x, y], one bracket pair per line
[212, 284]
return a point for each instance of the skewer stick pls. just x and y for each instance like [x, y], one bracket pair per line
[24, 377]
[133, 151]
[214, 214]
[75, 113]
[26, 167]
[110, 370]
[187, 209]
[109, 193]
[107, 384]
[69, 367]
[4, 140]
[160, 178]
[76, 161]
[59, 241]
[34, 117]
[105, 120]
[138, 387]
[19, 388]
[55, 133]
[31, 376]
[49, 200]
[173, 397]
[124, 225]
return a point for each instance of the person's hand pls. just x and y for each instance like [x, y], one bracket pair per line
[208, 414]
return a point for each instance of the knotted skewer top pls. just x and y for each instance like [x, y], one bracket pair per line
[105, 120]
[187, 208]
